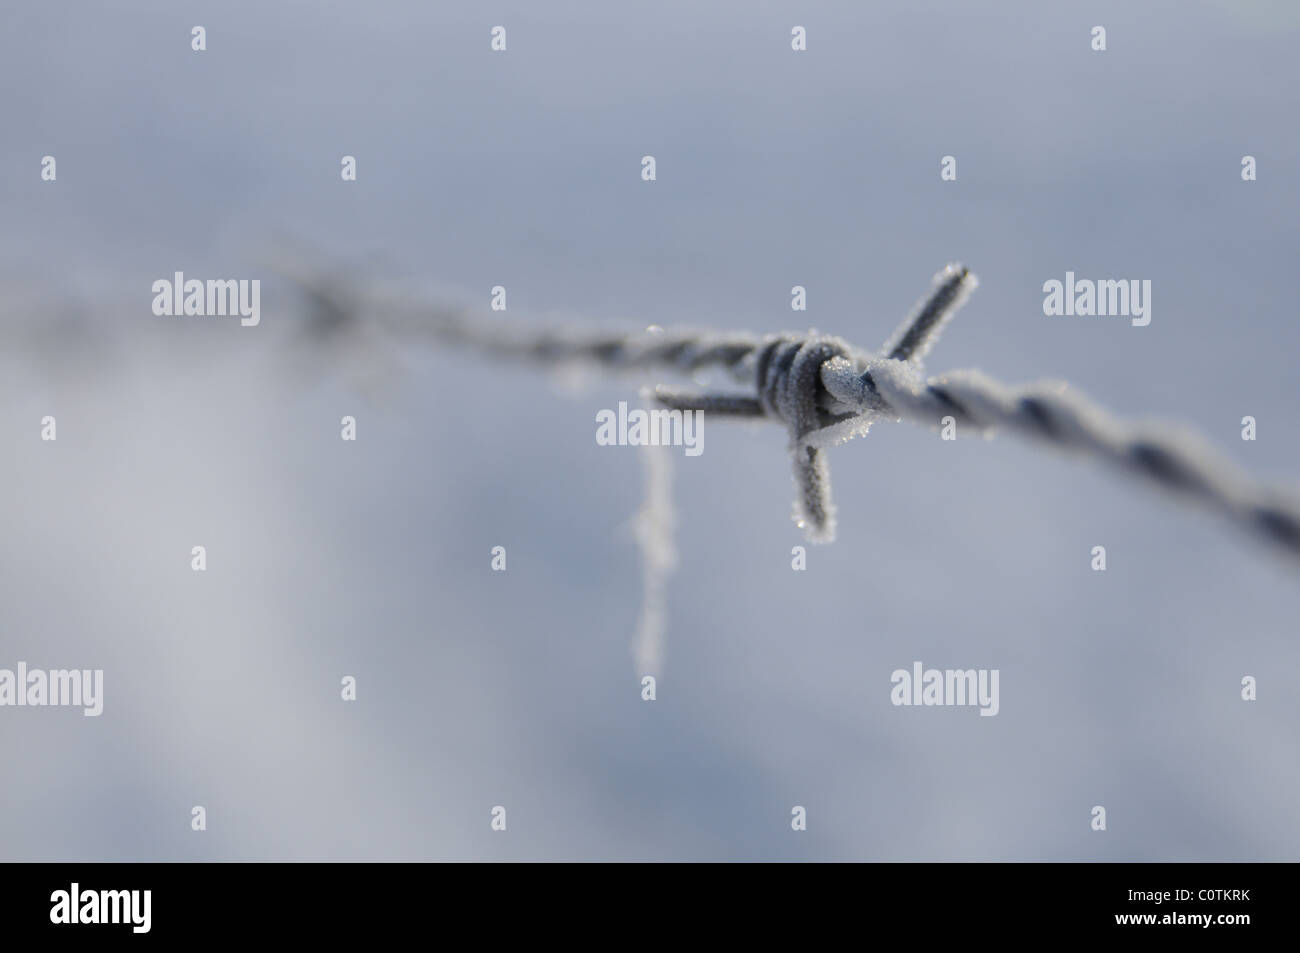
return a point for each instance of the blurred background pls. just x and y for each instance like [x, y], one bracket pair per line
[478, 688]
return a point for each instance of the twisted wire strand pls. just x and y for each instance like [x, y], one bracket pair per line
[826, 392]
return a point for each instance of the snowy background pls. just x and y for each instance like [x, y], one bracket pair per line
[371, 558]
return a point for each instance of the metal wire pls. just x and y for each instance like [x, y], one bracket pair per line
[826, 392]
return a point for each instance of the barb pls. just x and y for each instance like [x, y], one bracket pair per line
[827, 392]
[654, 527]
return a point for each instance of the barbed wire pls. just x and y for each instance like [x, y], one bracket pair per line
[826, 392]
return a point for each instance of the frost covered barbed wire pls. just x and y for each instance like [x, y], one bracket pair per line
[825, 391]
[655, 529]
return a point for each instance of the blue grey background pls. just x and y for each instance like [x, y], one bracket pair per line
[523, 169]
